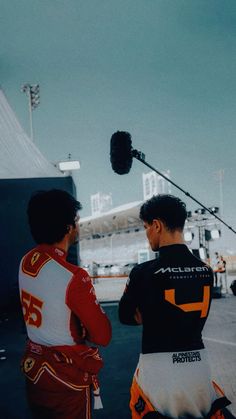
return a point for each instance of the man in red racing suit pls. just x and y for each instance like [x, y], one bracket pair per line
[61, 314]
[170, 296]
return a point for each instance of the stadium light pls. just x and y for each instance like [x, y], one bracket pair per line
[212, 234]
[215, 210]
[188, 236]
[32, 91]
[200, 211]
[215, 234]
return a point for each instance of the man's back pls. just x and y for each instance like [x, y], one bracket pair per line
[57, 299]
[172, 294]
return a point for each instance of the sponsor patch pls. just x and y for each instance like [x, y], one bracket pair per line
[28, 364]
[36, 349]
[34, 258]
[140, 405]
[182, 357]
[33, 262]
[178, 269]
[59, 252]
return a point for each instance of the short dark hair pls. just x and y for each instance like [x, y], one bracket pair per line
[168, 208]
[50, 213]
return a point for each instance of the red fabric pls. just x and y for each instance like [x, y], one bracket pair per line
[53, 401]
[77, 359]
[81, 300]
[59, 380]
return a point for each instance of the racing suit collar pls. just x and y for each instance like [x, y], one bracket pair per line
[52, 250]
[170, 247]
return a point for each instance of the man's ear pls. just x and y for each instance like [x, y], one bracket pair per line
[69, 229]
[158, 224]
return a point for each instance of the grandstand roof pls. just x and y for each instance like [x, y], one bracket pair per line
[121, 218]
[19, 156]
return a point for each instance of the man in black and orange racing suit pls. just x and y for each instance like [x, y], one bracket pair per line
[170, 296]
[61, 313]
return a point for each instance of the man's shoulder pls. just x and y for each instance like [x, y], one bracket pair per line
[144, 267]
[200, 262]
[82, 274]
[80, 282]
[33, 261]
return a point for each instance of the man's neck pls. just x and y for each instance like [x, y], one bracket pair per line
[63, 245]
[170, 238]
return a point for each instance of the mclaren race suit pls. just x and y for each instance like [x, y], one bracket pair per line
[171, 295]
[61, 314]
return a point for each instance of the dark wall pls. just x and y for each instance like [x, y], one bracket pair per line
[15, 237]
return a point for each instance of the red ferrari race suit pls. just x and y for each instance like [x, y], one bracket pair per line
[61, 314]
[171, 296]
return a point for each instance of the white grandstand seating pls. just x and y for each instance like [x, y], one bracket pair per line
[115, 249]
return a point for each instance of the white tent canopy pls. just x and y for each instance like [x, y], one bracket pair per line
[118, 219]
[19, 157]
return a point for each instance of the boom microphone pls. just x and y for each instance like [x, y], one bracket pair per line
[121, 152]
[121, 157]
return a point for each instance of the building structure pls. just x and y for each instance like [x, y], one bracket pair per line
[23, 171]
[154, 184]
[117, 237]
[100, 203]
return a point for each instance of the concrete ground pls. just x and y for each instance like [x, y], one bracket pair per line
[111, 289]
[120, 356]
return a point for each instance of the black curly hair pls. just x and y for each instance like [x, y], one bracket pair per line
[168, 208]
[50, 213]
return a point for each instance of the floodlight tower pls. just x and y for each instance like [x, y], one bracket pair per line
[32, 91]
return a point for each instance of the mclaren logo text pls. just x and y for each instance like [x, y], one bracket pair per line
[182, 270]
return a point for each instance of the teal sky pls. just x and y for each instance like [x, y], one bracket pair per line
[164, 70]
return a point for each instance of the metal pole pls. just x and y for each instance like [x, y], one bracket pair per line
[141, 157]
[111, 247]
[32, 91]
[30, 116]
